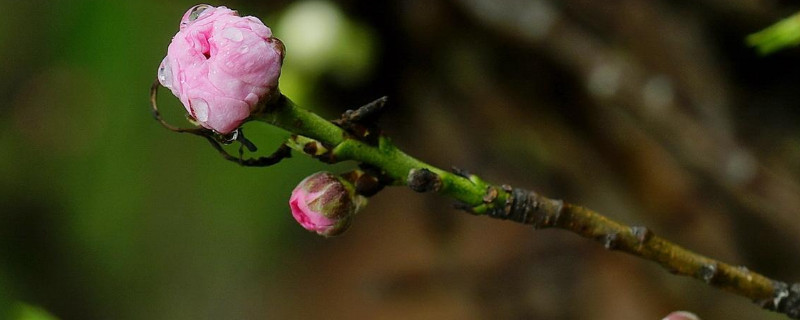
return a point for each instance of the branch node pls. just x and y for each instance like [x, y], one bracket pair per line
[791, 304]
[523, 206]
[785, 299]
[611, 241]
[708, 272]
[366, 181]
[423, 180]
[367, 113]
[490, 195]
[361, 123]
[312, 148]
[642, 234]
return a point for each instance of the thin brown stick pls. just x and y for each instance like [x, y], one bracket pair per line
[216, 140]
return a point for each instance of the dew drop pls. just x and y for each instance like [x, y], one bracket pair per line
[165, 74]
[200, 109]
[196, 11]
[230, 137]
[194, 14]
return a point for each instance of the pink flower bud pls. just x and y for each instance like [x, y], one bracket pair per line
[220, 65]
[681, 315]
[325, 203]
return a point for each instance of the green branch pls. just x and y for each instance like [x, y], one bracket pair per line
[527, 207]
[394, 163]
[349, 139]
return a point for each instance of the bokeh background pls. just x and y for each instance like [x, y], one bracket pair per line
[652, 112]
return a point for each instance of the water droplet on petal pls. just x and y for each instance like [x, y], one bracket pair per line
[232, 34]
[200, 109]
[165, 74]
[230, 137]
[195, 12]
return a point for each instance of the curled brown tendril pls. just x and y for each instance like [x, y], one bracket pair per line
[217, 140]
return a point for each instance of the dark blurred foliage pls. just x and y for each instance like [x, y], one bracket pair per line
[651, 112]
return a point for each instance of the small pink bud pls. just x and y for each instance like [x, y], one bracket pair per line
[681, 315]
[220, 65]
[325, 203]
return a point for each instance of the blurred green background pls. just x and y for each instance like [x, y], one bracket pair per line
[653, 112]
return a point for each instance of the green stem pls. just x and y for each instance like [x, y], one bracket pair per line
[395, 163]
[285, 114]
[527, 207]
